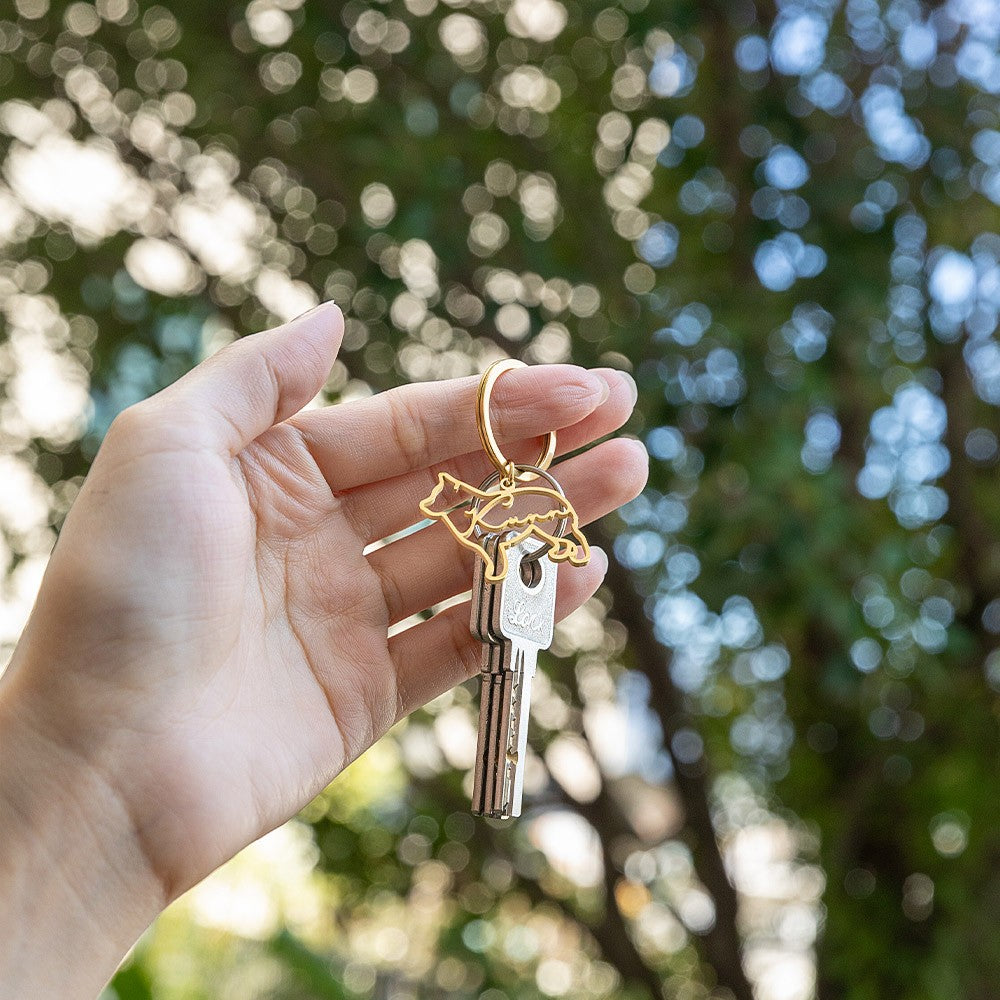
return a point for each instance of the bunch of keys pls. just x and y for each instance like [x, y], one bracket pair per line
[513, 593]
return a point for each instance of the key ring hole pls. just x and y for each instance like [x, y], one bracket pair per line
[531, 573]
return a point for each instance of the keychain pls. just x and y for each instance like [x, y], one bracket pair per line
[521, 525]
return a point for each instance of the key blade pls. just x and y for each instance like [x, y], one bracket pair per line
[495, 694]
[517, 752]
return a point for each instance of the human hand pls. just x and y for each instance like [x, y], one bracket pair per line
[210, 639]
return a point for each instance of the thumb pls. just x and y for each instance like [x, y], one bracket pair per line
[255, 382]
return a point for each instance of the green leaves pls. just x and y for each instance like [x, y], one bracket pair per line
[742, 208]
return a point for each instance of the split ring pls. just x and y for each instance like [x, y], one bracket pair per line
[536, 473]
[504, 466]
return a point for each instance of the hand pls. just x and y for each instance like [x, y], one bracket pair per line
[209, 636]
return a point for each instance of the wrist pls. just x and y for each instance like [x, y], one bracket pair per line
[75, 886]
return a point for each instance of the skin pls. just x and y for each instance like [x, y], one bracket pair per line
[210, 644]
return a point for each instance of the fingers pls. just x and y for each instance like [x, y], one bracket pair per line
[428, 566]
[377, 509]
[260, 380]
[419, 425]
[441, 652]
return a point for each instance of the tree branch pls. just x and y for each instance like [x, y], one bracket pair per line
[721, 947]
[976, 565]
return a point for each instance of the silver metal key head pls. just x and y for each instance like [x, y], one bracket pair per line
[527, 609]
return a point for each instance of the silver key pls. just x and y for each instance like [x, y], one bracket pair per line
[524, 615]
[495, 690]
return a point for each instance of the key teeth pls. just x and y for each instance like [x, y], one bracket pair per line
[490, 782]
[495, 784]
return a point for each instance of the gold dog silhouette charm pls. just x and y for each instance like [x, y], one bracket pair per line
[451, 496]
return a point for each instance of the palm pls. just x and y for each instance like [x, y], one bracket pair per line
[212, 604]
[265, 656]
[311, 600]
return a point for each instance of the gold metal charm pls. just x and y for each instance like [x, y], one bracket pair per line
[557, 527]
[472, 514]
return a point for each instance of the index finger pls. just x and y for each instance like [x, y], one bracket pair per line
[417, 425]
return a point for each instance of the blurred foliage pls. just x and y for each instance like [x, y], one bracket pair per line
[766, 751]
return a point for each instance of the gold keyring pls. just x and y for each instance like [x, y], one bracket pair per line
[503, 465]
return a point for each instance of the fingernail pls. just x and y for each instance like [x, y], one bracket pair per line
[632, 387]
[637, 443]
[616, 378]
[604, 387]
[598, 555]
[308, 312]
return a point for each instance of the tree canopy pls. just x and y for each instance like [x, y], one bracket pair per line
[765, 754]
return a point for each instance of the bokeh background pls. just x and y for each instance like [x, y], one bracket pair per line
[765, 754]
